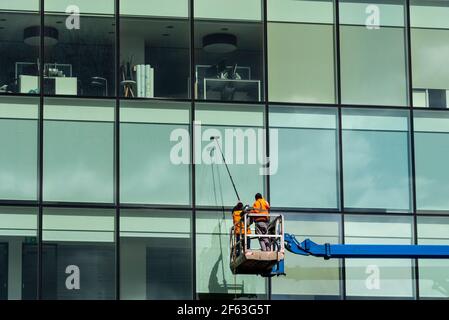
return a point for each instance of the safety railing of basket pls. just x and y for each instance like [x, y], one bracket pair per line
[276, 224]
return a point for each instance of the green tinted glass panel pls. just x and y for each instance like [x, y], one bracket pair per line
[79, 254]
[306, 277]
[433, 274]
[376, 160]
[18, 141]
[429, 36]
[431, 157]
[301, 51]
[372, 51]
[214, 277]
[150, 134]
[379, 277]
[305, 142]
[156, 259]
[78, 151]
[242, 140]
[18, 271]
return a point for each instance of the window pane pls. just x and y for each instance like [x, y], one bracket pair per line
[78, 150]
[308, 277]
[18, 56]
[18, 229]
[433, 273]
[228, 50]
[301, 51]
[148, 169]
[379, 277]
[78, 254]
[431, 158]
[376, 159]
[242, 140]
[154, 44]
[79, 47]
[214, 277]
[372, 49]
[18, 142]
[429, 38]
[156, 255]
[305, 142]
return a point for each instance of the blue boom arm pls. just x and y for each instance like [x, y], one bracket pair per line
[328, 251]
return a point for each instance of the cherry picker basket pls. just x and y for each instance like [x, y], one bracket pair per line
[246, 260]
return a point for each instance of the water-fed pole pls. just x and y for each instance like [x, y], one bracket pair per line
[215, 138]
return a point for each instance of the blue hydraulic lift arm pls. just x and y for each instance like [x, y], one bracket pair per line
[328, 251]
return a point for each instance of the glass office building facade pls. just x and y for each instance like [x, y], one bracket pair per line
[353, 96]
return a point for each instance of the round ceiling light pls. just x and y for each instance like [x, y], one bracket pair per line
[31, 36]
[219, 43]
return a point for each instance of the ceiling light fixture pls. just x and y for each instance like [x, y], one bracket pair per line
[31, 36]
[219, 43]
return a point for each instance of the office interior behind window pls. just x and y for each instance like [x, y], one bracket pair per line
[154, 55]
[78, 56]
[17, 58]
[80, 61]
[228, 51]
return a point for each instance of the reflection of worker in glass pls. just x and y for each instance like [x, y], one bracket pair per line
[261, 207]
[238, 220]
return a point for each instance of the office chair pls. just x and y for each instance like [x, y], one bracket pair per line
[100, 83]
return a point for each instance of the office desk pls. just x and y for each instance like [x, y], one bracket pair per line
[62, 85]
[244, 90]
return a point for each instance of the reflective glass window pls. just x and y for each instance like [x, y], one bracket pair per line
[372, 52]
[301, 51]
[18, 271]
[376, 163]
[431, 158]
[18, 142]
[154, 153]
[241, 138]
[214, 277]
[308, 277]
[379, 277]
[304, 149]
[429, 37]
[78, 150]
[433, 273]
[78, 254]
[156, 255]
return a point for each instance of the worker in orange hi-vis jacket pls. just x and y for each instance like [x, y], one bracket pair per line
[262, 208]
[238, 220]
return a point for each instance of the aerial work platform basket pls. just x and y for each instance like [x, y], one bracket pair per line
[249, 260]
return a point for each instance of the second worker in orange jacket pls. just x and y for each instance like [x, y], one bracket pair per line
[262, 207]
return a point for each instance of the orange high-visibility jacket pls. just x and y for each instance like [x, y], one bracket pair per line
[238, 222]
[261, 207]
